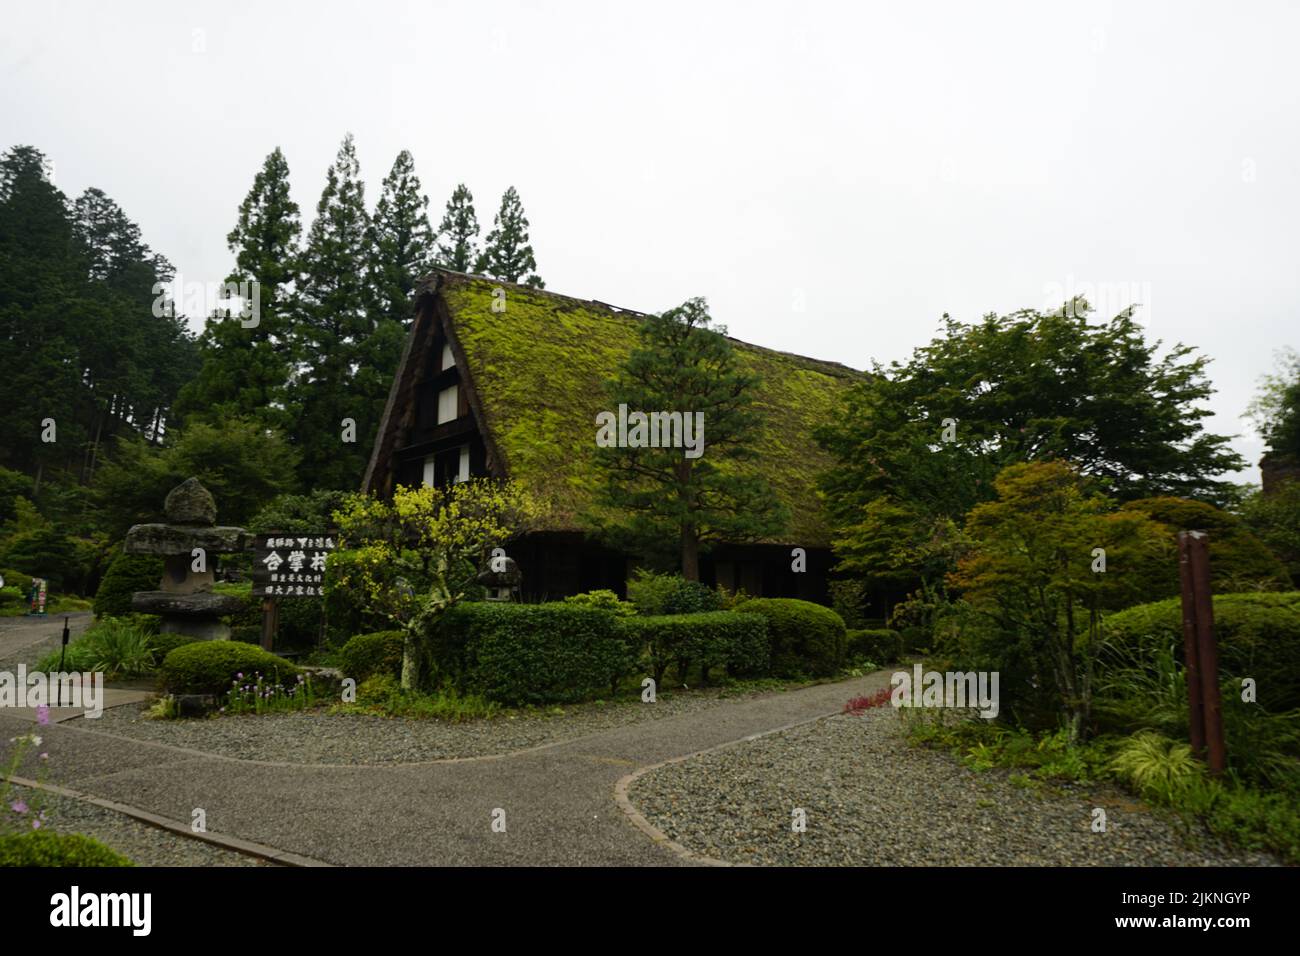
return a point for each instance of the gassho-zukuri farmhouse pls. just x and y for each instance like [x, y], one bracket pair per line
[515, 393]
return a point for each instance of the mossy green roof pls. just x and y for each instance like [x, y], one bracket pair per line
[540, 368]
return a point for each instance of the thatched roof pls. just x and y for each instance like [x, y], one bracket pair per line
[537, 374]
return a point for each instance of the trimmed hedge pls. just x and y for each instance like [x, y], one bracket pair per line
[127, 574]
[805, 638]
[368, 654]
[878, 645]
[659, 594]
[43, 848]
[1258, 636]
[209, 667]
[529, 653]
[737, 641]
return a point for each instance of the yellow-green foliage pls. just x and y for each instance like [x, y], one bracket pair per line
[540, 370]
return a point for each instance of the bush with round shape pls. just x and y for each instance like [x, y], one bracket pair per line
[17, 579]
[655, 594]
[602, 599]
[45, 848]
[878, 645]
[806, 639]
[1258, 636]
[210, 667]
[127, 574]
[367, 655]
[163, 644]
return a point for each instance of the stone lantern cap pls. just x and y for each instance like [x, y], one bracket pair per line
[191, 513]
[509, 577]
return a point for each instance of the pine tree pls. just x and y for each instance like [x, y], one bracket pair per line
[403, 240]
[688, 496]
[245, 369]
[333, 318]
[458, 234]
[508, 255]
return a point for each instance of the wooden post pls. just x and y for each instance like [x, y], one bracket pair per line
[1191, 650]
[1206, 718]
[270, 622]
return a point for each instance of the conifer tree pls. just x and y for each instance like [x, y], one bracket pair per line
[403, 242]
[332, 320]
[245, 369]
[508, 255]
[458, 234]
[690, 497]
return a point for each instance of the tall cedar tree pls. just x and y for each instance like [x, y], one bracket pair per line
[683, 364]
[458, 234]
[508, 255]
[402, 249]
[333, 321]
[245, 370]
[403, 240]
[1025, 387]
[1276, 409]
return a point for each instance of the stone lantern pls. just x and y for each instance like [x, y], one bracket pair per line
[502, 585]
[189, 539]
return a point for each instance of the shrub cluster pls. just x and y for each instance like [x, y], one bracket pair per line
[1258, 636]
[737, 641]
[127, 574]
[366, 655]
[658, 594]
[805, 638]
[209, 667]
[878, 645]
[44, 848]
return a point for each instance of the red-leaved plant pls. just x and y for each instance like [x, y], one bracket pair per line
[859, 704]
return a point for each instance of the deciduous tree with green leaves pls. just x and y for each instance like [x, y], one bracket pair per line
[658, 499]
[1032, 568]
[409, 558]
[927, 436]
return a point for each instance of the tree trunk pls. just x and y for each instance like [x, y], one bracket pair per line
[690, 554]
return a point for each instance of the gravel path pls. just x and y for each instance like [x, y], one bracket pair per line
[142, 844]
[871, 799]
[323, 737]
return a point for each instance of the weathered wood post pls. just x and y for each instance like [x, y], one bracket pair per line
[1205, 719]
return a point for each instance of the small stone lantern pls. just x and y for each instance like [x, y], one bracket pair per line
[502, 585]
[189, 539]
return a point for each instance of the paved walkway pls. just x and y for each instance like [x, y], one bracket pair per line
[19, 633]
[558, 799]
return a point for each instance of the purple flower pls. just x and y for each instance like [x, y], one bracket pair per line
[45, 756]
[240, 675]
[36, 824]
[42, 714]
[18, 806]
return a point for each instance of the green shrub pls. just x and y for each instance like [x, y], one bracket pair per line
[210, 667]
[880, 646]
[1258, 636]
[163, 644]
[805, 638]
[12, 595]
[1155, 766]
[16, 579]
[602, 600]
[656, 594]
[528, 653]
[384, 696]
[737, 641]
[43, 848]
[366, 655]
[127, 574]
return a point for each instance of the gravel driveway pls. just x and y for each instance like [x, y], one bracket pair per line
[871, 799]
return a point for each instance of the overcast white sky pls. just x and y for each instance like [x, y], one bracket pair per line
[879, 163]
